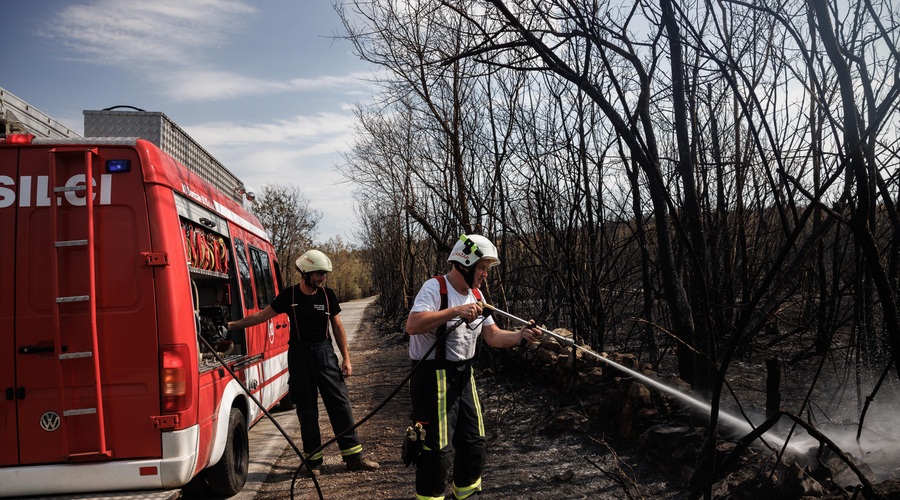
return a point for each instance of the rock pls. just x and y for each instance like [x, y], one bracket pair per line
[754, 481]
[796, 483]
[547, 356]
[672, 447]
[636, 409]
[566, 419]
[830, 466]
[748, 483]
[565, 477]
[889, 489]
[628, 360]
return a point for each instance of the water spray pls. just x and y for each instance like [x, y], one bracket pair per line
[726, 418]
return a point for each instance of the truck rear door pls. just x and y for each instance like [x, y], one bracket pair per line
[9, 450]
[86, 353]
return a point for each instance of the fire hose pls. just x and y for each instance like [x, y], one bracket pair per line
[569, 342]
[723, 416]
[602, 357]
[560, 338]
[262, 407]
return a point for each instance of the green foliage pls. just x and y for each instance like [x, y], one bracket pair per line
[352, 277]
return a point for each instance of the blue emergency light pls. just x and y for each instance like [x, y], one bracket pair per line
[118, 166]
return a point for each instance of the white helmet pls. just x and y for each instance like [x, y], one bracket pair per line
[472, 248]
[313, 260]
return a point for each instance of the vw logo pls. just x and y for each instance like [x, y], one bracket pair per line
[50, 421]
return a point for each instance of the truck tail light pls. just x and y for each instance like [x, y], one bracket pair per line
[175, 378]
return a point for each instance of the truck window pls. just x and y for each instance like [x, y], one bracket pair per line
[278, 278]
[244, 272]
[262, 272]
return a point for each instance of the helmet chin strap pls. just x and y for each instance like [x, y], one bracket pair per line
[307, 279]
[468, 273]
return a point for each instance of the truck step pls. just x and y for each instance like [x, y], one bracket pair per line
[73, 298]
[79, 411]
[71, 243]
[76, 355]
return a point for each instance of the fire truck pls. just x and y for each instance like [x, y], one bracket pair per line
[123, 254]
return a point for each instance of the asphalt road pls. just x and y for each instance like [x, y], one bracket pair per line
[266, 441]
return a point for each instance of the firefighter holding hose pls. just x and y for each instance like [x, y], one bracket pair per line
[444, 324]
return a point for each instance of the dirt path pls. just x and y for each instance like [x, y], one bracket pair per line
[525, 460]
[378, 365]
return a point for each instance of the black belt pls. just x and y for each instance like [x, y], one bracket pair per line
[312, 345]
[443, 364]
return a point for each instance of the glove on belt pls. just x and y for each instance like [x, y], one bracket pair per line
[413, 443]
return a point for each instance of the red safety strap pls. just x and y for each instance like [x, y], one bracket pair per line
[442, 281]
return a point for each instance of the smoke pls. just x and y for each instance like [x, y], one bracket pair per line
[837, 414]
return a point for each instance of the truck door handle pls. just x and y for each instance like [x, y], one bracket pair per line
[20, 393]
[39, 349]
[10, 393]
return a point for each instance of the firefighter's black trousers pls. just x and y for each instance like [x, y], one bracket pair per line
[445, 400]
[314, 369]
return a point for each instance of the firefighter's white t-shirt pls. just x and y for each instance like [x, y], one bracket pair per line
[461, 342]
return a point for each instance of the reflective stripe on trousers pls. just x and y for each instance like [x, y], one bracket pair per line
[445, 399]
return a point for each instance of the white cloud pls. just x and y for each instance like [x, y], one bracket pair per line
[205, 85]
[319, 128]
[192, 84]
[300, 151]
[147, 34]
[170, 43]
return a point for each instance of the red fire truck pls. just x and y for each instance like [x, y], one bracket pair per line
[115, 260]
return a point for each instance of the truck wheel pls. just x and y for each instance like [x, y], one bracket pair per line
[228, 476]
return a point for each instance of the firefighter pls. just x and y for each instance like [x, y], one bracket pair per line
[313, 308]
[446, 413]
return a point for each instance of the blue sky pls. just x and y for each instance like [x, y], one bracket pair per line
[263, 85]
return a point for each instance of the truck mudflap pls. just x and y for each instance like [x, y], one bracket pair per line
[174, 470]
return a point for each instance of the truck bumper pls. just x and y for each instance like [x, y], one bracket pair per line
[173, 470]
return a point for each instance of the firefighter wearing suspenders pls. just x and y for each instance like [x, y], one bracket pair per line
[313, 312]
[446, 413]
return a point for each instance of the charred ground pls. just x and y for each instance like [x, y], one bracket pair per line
[541, 443]
[553, 435]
